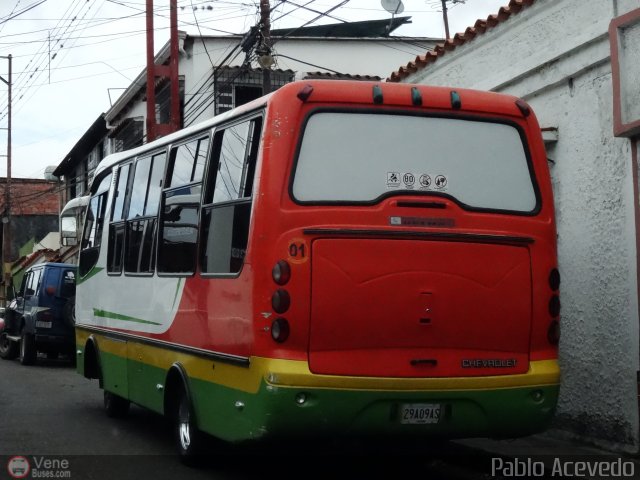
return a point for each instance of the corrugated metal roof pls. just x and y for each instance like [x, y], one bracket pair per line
[362, 29]
[480, 27]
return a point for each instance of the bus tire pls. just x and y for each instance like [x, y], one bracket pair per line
[8, 349]
[189, 439]
[115, 406]
[28, 351]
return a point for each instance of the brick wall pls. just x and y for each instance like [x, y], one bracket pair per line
[31, 196]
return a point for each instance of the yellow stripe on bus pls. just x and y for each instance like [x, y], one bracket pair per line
[295, 373]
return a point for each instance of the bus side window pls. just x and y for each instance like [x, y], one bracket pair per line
[179, 221]
[227, 210]
[116, 228]
[140, 231]
[93, 224]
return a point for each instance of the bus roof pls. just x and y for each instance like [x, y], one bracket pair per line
[353, 92]
[118, 157]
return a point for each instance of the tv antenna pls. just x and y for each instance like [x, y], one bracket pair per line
[443, 4]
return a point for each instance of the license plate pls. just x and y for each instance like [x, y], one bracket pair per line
[420, 413]
[43, 324]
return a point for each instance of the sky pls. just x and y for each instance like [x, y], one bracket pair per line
[71, 59]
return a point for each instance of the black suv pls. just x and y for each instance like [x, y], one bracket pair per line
[42, 316]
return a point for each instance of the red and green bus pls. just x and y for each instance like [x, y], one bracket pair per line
[335, 258]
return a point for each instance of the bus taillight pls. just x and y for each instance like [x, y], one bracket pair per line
[553, 334]
[280, 330]
[554, 279]
[281, 272]
[280, 300]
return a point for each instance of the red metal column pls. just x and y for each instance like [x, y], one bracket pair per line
[154, 72]
[151, 77]
[173, 65]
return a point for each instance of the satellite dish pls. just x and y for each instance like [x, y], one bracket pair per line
[393, 6]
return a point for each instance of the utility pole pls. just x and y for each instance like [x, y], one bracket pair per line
[264, 47]
[446, 19]
[6, 219]
[154, 72]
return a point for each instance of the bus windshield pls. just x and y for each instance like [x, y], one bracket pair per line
[359, 157]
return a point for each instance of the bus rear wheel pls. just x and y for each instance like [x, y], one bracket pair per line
[188, 438]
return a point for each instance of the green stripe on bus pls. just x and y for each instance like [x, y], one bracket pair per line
[175, 297]
[236, 416]
[276, 412]
[94, 271]
[124, 318]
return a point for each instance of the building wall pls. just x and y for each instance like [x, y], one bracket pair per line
[555, 54]
[373, 57]
[31, 228]
[31, 197]
[34, 210]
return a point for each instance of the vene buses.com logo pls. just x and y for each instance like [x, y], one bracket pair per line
[18, 467]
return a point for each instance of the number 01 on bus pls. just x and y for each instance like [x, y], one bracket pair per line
[334, 258]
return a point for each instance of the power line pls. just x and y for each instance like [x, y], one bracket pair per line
[73, 27]
[313, 10]
[11, 16]
[12, 11]
[204, 45]
[310, 64]
[322, 14]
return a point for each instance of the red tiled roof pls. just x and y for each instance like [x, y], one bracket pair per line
[481, 26]
[24, 262]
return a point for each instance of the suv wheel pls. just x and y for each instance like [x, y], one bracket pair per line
[8, 349]
[28, 351]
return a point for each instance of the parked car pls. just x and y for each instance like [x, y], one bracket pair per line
[42, 316]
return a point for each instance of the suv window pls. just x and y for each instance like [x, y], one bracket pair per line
[68, 287]
[33, 282]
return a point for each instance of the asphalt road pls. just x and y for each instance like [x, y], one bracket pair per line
[49, 413]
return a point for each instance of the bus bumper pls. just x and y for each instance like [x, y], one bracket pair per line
[298, 404]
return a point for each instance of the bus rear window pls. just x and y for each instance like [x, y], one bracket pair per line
[360, 157]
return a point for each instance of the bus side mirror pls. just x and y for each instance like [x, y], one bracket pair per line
[68, 231]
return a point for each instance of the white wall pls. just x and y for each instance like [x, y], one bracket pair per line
[373, 57]
[51, 241]
[555, 54]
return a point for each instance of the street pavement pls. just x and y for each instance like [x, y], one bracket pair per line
[49, 413]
